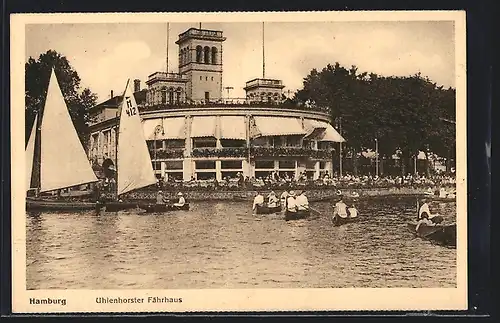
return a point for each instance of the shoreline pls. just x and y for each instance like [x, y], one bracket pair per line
[316, 194]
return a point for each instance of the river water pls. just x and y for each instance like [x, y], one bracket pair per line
[222, 245]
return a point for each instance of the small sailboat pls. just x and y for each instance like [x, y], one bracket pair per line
[55, 157]
[134, 168]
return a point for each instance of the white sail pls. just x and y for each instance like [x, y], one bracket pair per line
[30, 154]
[63, 159]
[134, 162]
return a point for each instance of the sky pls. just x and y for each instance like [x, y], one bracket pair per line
[105, 55]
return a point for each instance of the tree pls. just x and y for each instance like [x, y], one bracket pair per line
[403, 113]
[37, 75]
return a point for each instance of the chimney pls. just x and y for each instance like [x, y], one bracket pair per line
[137, 85]
[112, 96]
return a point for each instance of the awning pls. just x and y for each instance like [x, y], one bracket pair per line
[173, 128]
[314, 128]
[330, 134]
[203, 127]
[278, 126]
[232, 127]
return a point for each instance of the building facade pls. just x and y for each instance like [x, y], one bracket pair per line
[192, 134]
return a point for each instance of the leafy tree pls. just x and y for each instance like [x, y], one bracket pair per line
[404, 113]
[37, 75]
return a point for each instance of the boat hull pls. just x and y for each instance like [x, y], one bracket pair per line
[337, 220]
[445, 234]
[267, 210]
[159, 208]
[290, 216]
[58, 205]
[117, 206]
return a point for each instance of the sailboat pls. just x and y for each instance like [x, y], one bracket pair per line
[55, 156]
[134, 168]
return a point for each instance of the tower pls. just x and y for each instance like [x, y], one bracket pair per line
[200, 59]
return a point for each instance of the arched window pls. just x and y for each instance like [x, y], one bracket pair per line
[164, 95]
[178, 95]
[214, 55]
[170, 96]
[207, 55]
[199, 54]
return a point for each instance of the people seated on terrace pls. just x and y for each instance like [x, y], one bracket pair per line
[181, 201]
[272, 200]
[302, 202]
[258, 200]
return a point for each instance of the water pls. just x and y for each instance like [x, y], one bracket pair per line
[222, 245]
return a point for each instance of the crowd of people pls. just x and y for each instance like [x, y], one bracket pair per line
[276, 181]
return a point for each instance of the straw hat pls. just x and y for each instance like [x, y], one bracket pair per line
[291, 193]
[179, 194]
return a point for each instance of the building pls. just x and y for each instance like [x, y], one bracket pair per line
[192, 133]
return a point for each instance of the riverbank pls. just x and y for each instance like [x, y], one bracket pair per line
[312, 194]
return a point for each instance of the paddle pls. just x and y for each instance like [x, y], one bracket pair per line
[318, 213]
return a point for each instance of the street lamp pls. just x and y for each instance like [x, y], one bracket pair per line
[158, 129]
[376, 157]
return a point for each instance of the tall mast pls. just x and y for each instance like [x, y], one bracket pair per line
[263, 54]
[168, 40]
[118, 116]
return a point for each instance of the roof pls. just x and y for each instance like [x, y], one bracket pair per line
[114, 102]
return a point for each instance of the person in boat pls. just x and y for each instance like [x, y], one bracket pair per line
[258, 200]
[340, 209]
[160, 199]
[272, 200]
[283, 198]
[424, 220]
[181, 201]
[291, 203]
[353, 212]
[302, 202]
[425, 211]
[442, 192]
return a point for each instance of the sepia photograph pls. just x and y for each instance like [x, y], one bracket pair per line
[239, 161]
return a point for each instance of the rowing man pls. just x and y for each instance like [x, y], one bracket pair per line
[340, 209]
[181, 200]
[425, 211]
[258, 200]
[302, 202]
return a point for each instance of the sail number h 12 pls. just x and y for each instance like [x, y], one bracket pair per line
[131, 111]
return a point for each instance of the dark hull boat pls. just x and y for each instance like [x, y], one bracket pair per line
[296, 215]
[57, 205]
[158, 208]
[267, 210]
[337, 220]
[445, 234]
[115, 206]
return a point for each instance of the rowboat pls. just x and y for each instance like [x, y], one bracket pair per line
[115, 206]
[445, 234]
[267, 210]
[338, 221]
[157, 208]
[296, 215]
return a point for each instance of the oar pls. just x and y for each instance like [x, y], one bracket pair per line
[318, 213]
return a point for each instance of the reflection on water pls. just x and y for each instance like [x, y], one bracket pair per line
[222, 245]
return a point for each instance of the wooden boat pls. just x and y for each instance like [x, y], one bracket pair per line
[157, 208]
[58, 205]
[338, 221]
[296, 215]
[115, 206]
[267, 210]
[442, 199]
[55, 157]
[445, 234]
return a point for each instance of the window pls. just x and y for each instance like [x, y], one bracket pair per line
[322, 165]
[164, 96]
[207, 96]
[175, 143]
[171, 96]
[206, 78]
[212, 78]
[199, 54]
[208, 142]
[262, 174]
[214, 55]
[287, 164]
[207, 55]
[233, 143]
[205, 176]
[264, 164]
[174, 176]
[229, 174]
[230, 164]
[174, 165]
[201, 78]
[277, 141]
[205, 164]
